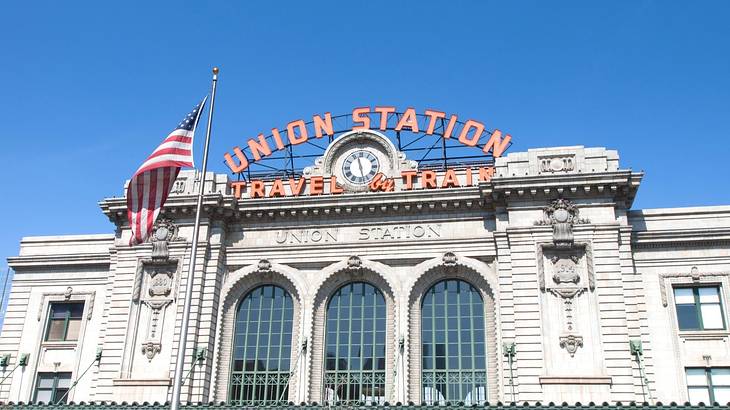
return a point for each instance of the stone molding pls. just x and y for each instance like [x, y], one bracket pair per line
[88, 297]
[238, 284]
[693, 277]
[142, 382]
[427, 274]
[621, 185]
[688, 238]
[75, 260]
[576, 380]
[351, 269]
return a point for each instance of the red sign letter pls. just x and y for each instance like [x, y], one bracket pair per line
[384, 111]
[293, 137]
[357, 118]
[408, 120]
[243, 161]
[321, 125]
[433, 116]
[237, 187]
[258, 148]
[497, 144]
[464, 136]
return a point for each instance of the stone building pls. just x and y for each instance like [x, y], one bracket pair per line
[537, 283]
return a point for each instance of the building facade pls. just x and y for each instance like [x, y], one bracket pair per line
[530, 281]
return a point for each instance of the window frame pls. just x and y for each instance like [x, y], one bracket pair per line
[49, 318]
[262, 375]
[360, 378]
[698, 305]
[708, 378]
[478, 375]
[54, 388]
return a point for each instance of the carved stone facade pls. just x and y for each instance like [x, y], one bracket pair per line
[565, 269]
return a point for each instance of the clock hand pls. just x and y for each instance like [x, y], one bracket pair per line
[359, 164]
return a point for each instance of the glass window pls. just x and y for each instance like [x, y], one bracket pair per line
[452, 352]
[708, 385]
[262, 348]
[64, 321]
[355, 340]
[699, 308]
[52, 387]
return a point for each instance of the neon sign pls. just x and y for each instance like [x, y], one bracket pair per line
[470, 133]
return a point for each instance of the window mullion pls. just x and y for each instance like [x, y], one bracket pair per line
[722, 311]
[245, 349]
[54, 388]
[48, 321]
[433, 346]
[336, 379]
[710, 388]
[258, 335]
[65, 323]
[698, 307]
[362, 335]
[279, 367]
[349, 345]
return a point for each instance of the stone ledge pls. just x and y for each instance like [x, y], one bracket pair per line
[704, 335]
[142, 382]
[59, 345]
[575, 380]
[78, 259]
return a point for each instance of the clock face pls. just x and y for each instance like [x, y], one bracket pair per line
[360, 167]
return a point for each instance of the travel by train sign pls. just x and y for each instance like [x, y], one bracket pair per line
[318, 185]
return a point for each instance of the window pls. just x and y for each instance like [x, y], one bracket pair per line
[52, 387]
[355, 346]
[262, 348]
[64, 321]
[708, 385]
[453, 350]
[699, 308]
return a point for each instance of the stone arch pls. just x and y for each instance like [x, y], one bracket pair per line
[238, 284]
[335, 276]
[427, 274]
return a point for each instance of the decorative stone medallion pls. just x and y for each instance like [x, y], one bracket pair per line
[571, 343]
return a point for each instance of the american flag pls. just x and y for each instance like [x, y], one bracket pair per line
[149, 187]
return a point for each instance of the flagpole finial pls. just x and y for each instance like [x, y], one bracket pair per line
[215, 70]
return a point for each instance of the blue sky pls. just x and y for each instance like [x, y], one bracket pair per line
[88, 90]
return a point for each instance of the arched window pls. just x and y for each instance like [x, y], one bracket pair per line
[262, 347]
[453, 350]
[355, 345]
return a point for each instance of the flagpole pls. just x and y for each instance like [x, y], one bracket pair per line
[180, 361]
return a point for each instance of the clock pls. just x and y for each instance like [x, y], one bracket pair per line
[360, 167]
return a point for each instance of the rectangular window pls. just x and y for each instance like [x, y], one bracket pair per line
[52, 387]
[708, 385]
[699, 308]
[64, 321]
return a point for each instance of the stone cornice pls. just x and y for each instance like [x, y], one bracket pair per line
[226, 207]
[621, 184]
[617, 184]
[75, 259]
[116, 208]
[681, 237]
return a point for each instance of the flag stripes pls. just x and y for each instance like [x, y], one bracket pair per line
[151, 184]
